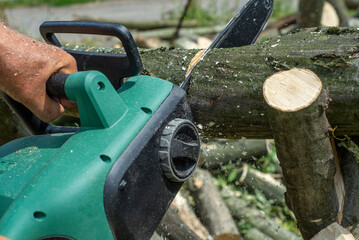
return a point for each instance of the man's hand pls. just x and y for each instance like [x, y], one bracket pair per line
[25, 66]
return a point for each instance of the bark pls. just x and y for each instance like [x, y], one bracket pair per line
[350, 170]
[211, 208]
[226, 87]
[173, 228]
[187, 215]
[240, 210]
[10, 127]
[219, 153]
[270, 187]
[310, 13]
[300, 129]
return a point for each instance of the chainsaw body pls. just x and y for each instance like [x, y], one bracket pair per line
[114, 177]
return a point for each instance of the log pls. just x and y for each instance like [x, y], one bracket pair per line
[269, 186]
[350, 170]
[240, 210]
[330, 16]
[296, 113]
[255, 234]
[310, 13]
[334, 232]
[226, 88]
[220, 152]
[173, 228]
[211, 208]
[341, 10]
[187, 215]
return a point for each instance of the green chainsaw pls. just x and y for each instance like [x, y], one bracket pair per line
[116, 175]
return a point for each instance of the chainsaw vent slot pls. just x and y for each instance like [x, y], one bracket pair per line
[146, 110]
[105, 158]
[39, 216]
[101, 86]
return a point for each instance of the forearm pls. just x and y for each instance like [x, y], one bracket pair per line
[25, 66]
[15, 52]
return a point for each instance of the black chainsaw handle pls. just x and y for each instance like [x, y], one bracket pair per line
[114, 66]
[55, 85]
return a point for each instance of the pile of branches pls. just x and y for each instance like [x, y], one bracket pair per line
[237, 193]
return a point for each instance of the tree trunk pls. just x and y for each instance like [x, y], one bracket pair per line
[310, 13]
[296, 112]
[226, 87]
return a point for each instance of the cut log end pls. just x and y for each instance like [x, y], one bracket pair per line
[293, 90]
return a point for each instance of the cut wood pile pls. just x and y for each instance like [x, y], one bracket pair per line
[237, 200]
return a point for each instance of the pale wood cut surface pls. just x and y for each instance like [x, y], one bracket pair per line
[187, 215]
[330, 17]
[334, 232]
[293, 90]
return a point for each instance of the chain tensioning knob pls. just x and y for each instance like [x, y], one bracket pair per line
[179, 150]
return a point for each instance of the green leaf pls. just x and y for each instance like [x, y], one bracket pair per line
[233, 175]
